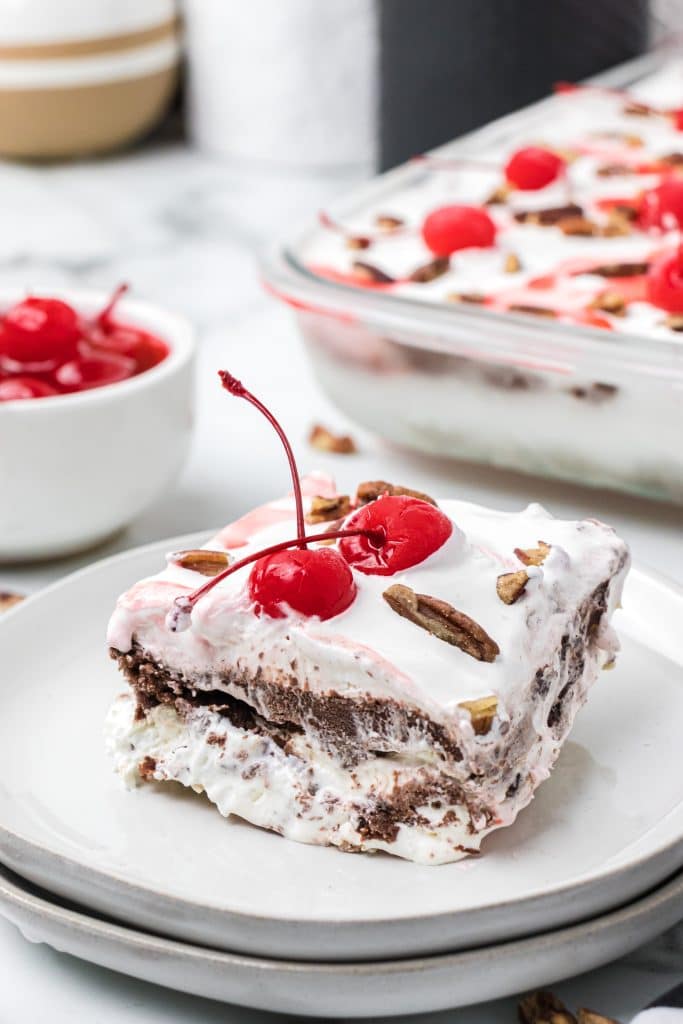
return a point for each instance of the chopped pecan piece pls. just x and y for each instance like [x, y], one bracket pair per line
[637, 109]
[628, 138]
[520, 307]
[474, 298]
[326, 510]
[325, 441]
[388, 223]
[625, 210]
[619, 222]
[543, 1008]
[9, 599]
[511, 585]
[585, 1016]
[430, 271]
[369, 272]
[613, 170]
[482, 712]
[358, 242]
[671, 159]
[580, 226]
[596, 392]
[370, 490]
[618, 269]
[499, 195]
[512, 264]
[443, 621]
[208, 563]
[550, 216]
[610, 302]
[534, 556]
[674, 322]
[568, 154]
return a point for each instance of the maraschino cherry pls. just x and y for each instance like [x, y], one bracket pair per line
[533, 168]
[661, 207]
[412, 530]
[40, 331]
[665, 281]
[451, 228]
[528, 169]
[94, 371]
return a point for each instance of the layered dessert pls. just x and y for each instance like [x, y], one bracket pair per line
[528, 274]
[376, 671]
[577, 222]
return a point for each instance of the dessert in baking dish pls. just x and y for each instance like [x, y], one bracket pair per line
[375, 672]
[529, 275]
[579, 223]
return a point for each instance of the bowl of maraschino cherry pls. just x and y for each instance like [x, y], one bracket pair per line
[95, 415]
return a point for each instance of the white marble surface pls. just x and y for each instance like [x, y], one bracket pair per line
[185, 232]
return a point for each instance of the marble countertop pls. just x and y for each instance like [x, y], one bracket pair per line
[186, 232]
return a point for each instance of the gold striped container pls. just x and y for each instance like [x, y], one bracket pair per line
[79, 77]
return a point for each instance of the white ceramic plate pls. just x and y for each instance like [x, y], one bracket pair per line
[606, 827]
[343, 990]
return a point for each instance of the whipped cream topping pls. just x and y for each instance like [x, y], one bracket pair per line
[369, 649]
[594, 128]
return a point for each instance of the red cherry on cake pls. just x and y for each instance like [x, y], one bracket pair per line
[665, 282]
[314, 582]
[533, 168]
[41, 330]
[408, 531]
[15, 388]
[662, 207]
[94, 371]
[458, 227]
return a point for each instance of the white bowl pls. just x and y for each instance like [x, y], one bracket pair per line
[76, 468]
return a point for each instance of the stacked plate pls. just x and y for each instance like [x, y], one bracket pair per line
[156, 884]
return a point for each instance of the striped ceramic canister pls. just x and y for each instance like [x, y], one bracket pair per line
[79, 77]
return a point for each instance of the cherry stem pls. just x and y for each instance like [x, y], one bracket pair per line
[104, 317]
[236, 388]
[331, 224]
[184, 604]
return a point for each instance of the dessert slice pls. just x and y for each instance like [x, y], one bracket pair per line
[377, 672]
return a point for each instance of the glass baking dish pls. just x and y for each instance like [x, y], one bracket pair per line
[551, 398]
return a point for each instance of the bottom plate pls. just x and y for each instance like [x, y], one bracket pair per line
[342, 990]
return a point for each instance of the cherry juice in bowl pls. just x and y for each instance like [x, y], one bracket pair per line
[48, 348]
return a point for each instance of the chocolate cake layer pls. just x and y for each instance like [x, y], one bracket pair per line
[341, 724]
